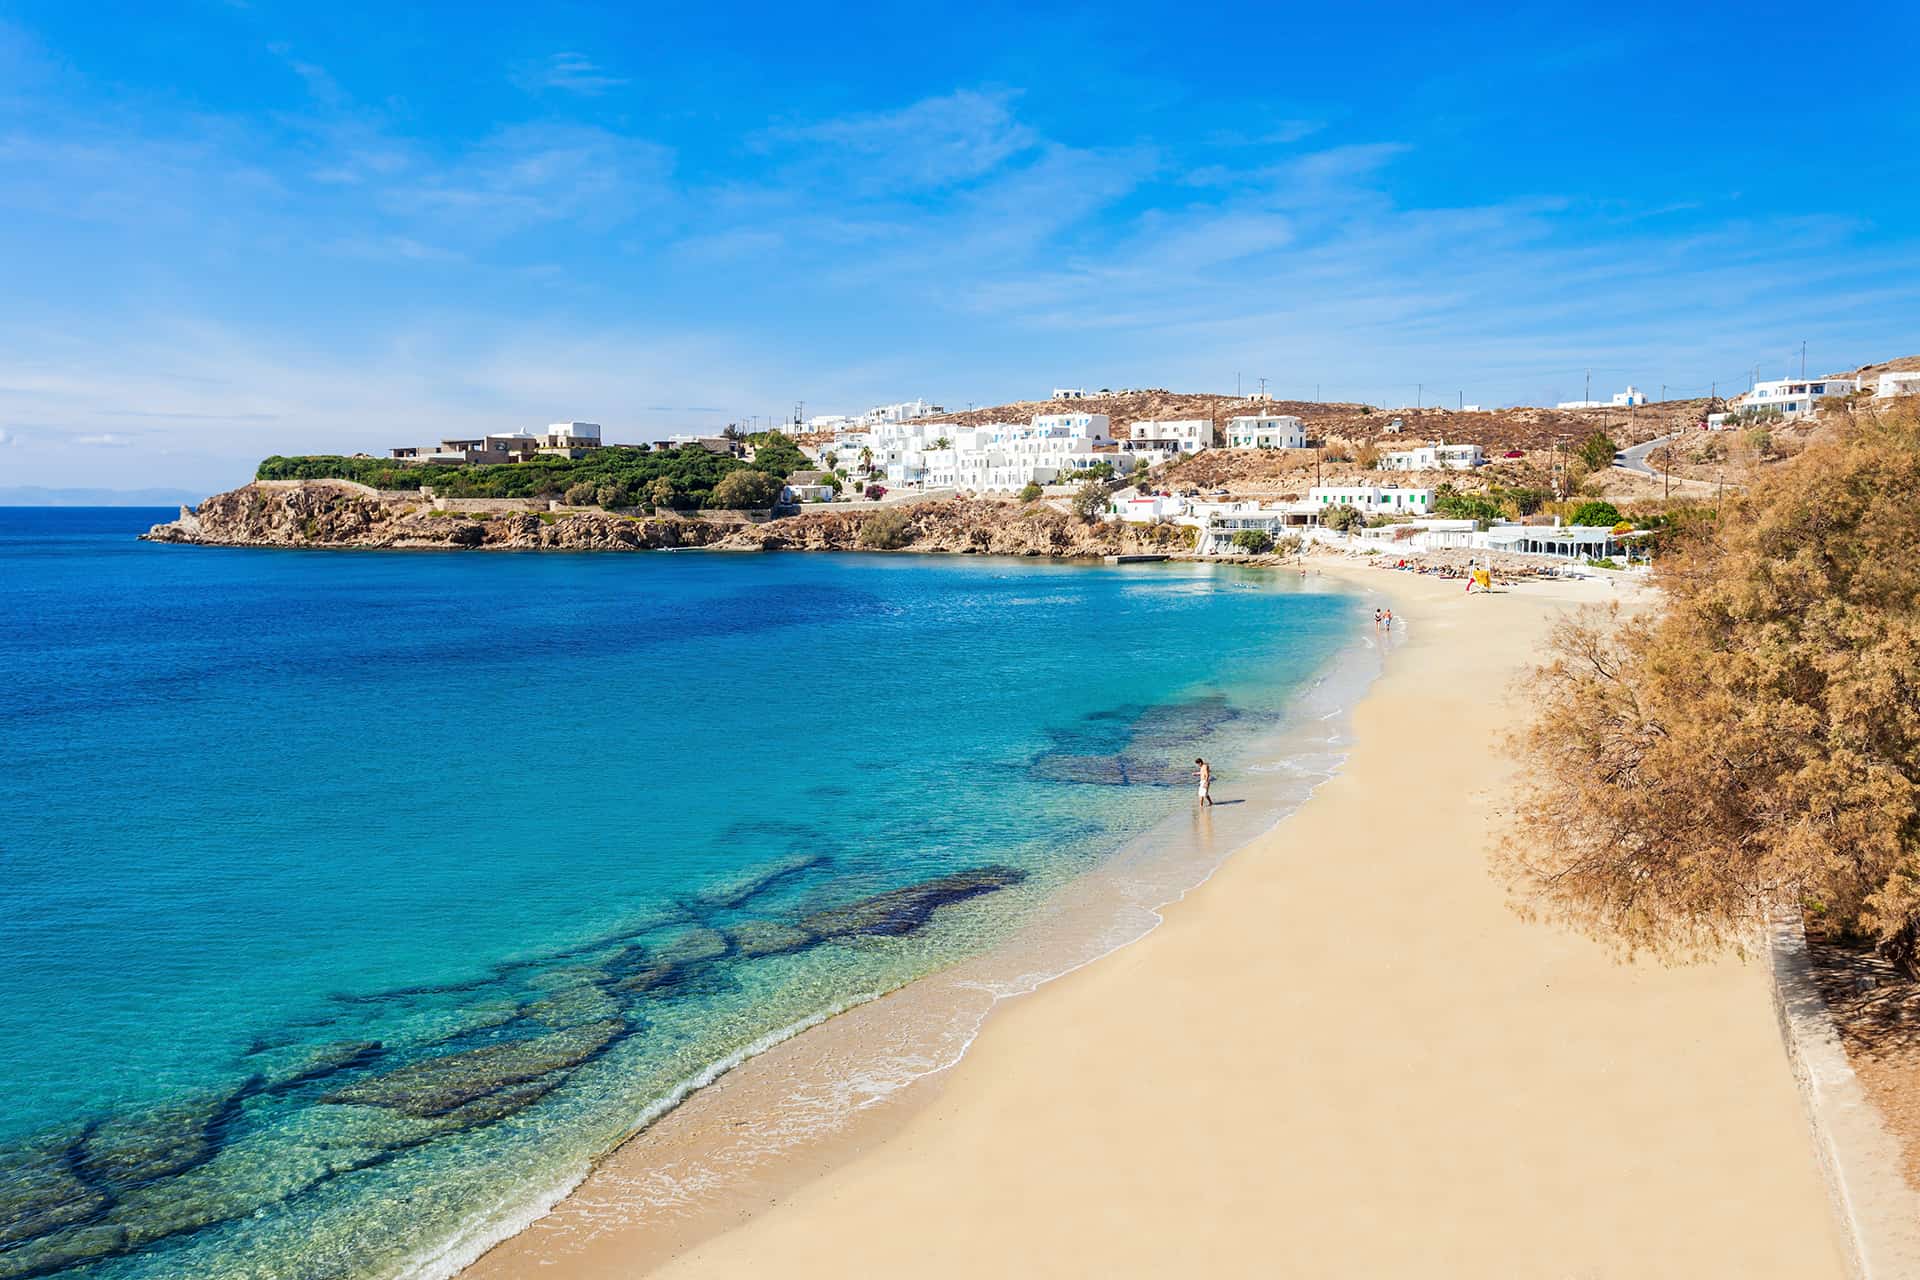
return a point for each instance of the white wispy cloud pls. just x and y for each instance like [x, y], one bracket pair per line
[527, 174]
[935, 142]
[569, 72]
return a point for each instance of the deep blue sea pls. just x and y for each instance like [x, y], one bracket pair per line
[346, 896]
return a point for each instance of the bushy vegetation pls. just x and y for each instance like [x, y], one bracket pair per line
[746, 489]
[1597, 451]
[1754, 743]
[777, 455]
[887, 530]
[1602, 515]
[1341, 518]
[691, 470]
[1497, 503]
[1253, 541]
[1031, 493]
[1090, 500]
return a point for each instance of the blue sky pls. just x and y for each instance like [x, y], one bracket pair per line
[229, 229]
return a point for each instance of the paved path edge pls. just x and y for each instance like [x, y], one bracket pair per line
[1860, 1158]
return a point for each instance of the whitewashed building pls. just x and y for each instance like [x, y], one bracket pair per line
[1435, 457]
[1069, 393]
[1794, 397]
[993, 457]
[1901, 383]
[1188, 435]
[1373, 499]
[1621, 400]
[1266, 431]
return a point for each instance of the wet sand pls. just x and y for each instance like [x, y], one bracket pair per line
[1343, 1054]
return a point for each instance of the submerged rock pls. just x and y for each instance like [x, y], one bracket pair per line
[70, 1248]
[573, 1006]
[901, 911]
[126, 1151]
[758, 938]
[247, 1177]
[498, 1106]
[1113, 771]
[312, 1062]
[737, 891]
[41, 1192]
[440, 1085]
[648, 979]
[694, 947]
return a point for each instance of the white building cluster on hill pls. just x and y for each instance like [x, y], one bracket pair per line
[994, 456]
[905, 411]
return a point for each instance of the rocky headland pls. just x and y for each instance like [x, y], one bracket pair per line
[340, 514]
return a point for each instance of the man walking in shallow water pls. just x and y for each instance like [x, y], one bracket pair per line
[1205, 774]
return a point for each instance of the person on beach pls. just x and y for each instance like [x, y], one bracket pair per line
[1205, 774]
[1376, 619]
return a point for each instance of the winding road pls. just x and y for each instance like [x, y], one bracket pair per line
[1634, 457]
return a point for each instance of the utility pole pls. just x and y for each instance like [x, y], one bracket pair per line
[1803, 357]
[1419, 393]
[1589, 396]
[1236, 386]
[1463, 402]
[1263, 388]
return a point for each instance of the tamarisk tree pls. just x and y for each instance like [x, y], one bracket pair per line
[1753, 742]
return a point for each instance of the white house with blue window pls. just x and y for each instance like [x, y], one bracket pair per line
[1795, 397]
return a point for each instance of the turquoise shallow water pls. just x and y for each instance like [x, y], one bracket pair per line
[350, 896]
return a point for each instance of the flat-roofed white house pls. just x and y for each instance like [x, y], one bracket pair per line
[1795, 397]
[1189, 435]
[578, 435]
[1435, 457]
[1266, 431]
[1621, 400]
[1904, 382]
[1373, 499]
[1069, 393]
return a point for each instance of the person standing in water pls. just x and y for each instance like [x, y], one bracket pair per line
[1205, 774]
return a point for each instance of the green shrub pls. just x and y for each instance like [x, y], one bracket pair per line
[1602, 514]
[887, 530]
[1255, 541]
[582, 494]
[1090, 501]
[1031, 493]
[746, 489]
[614, 495]
[1597, 451]
[1340, 518]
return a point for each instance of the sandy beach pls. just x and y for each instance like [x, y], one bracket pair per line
[1343, 1054]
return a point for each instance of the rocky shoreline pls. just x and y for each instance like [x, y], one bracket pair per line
[340, 515]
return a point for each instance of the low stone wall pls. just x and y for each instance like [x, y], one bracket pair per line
[491, 506]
